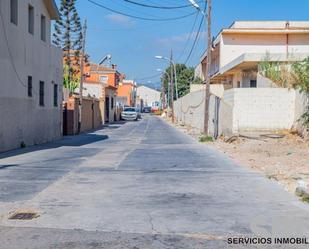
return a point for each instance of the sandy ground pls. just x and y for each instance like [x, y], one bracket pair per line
[285, 160]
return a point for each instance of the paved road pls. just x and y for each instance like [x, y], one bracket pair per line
[138, 185]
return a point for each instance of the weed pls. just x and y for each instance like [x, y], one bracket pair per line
[205, 138]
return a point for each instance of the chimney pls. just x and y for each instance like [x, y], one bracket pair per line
[114, 66]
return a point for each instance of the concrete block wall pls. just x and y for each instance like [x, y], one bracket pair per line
[263, 109]
[301, 107]
[244, 109]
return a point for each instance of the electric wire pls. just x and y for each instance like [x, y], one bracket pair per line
[139, 17]
[196, 38]
[189, 38]
[158, 7]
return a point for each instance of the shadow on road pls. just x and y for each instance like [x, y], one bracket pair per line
[8, 166]
[67, 141]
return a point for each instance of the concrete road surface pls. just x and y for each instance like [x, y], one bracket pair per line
[139, 185]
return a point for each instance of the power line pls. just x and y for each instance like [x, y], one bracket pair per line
[158, 7]
[196, 37]
[138, 17]
[189, 38]
[195, 40]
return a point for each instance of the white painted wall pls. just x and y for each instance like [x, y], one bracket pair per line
[92, 90]
[244, 109]
[23, 55]
[216, 89]
[189, 110]
[148, 95]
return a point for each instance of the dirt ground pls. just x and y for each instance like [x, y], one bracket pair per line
[284, 159]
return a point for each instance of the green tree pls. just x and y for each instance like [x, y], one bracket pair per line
[68, 36]
[185, 77]
[288, 74]
[301, 81]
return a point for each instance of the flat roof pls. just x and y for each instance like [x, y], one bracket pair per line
[52, 9]
[263, 27]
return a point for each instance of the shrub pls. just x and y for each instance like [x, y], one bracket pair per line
[205, 138]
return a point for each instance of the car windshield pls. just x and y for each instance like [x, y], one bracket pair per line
[129, 110]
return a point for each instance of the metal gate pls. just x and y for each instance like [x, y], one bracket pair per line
[216, 117]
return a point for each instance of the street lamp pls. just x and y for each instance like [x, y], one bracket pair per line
[175, 72]
[209, 48]
[195, 5]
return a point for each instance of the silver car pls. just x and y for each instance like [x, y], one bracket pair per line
[129, 113]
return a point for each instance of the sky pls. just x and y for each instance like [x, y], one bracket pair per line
[134, 43]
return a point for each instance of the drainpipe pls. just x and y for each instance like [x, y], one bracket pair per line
[287, 26]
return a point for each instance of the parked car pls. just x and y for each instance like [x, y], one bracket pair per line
[147, 109]
[129, 113]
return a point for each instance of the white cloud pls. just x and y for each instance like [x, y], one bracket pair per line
[121, 20]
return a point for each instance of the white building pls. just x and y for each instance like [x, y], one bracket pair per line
[147, 96]
[31, 74]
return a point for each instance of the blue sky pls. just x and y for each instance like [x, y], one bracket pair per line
[133, 43]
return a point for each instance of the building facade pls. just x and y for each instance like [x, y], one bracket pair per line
[102, 82]
[238, 50]
[148, 97]
[31, 74]
[127, 89]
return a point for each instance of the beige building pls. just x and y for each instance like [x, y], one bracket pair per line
[239, 49]
[241, 99]
[31, 74]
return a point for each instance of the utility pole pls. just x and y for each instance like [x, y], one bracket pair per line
[172, 87]
[208, 66]
[82, 60]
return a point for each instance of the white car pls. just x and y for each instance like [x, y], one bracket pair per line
[129, 113]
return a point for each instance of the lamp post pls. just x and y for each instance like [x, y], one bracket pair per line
[175, 72]
[209, 48]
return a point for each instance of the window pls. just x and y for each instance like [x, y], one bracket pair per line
[103, 79]
[41, 93]
[112, 103]
[55, 95]
[43, 28]
[29, 86]
[253, 83]
[30, 19]
[14, 11]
